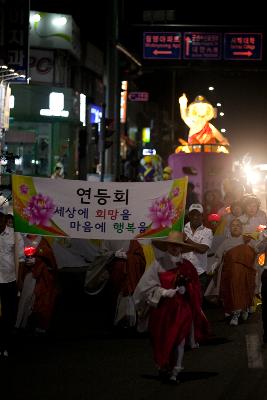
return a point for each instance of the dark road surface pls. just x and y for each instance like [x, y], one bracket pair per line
[83, 359]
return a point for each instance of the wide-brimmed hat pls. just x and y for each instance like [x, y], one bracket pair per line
[175, 238]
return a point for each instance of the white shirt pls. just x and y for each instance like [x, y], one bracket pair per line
[7, 255]
[201, 235]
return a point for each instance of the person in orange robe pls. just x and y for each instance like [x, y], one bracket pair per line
[234, 281]
[237, 286]
[43, 270]
[125, 271]
[170, 290]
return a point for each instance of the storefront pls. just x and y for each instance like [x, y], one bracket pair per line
[44, 129]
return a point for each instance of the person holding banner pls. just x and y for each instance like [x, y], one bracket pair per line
[168, 296]
[125, 271]
[39, 288]
[8, 284]
[58, 171]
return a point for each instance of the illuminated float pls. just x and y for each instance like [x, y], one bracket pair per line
[204, 157]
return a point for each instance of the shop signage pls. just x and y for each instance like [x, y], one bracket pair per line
[56, 106]
[138, 96]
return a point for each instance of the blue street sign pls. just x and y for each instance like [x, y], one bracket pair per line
[243, 46]
[202, 46]
[95, 114]
[162, 45]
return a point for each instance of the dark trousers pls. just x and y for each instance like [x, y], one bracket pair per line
[264, 303]
[8, 297]
[204, 281]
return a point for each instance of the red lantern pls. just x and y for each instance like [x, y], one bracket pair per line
[29, 251]
[214, 218]
[261, 228]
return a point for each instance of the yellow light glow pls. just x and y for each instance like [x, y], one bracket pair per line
[35, 18]
[261, 259]
[123, 105]
[252, 175]
[146, 135]
[185, 148]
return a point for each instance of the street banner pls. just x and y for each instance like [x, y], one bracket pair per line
[98, 210]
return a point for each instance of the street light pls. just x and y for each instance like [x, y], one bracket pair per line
[12, 75]
[221, 114]
[7, 71]
[6, 77]
[211, 88]
[9, 78]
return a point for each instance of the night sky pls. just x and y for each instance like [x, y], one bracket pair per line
[241, 87]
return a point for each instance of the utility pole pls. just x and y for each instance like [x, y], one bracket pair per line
[174, 106]
[117, 119]
[113, 89]
[102, 149]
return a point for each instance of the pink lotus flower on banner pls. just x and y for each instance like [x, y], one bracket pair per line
[39, 210]
[162, 213]
[176, 192]
[24, 189]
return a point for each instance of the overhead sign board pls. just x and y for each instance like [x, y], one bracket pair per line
[162, 45]
[243, 46]
[14, 36]
[138, 96]
[202, 46]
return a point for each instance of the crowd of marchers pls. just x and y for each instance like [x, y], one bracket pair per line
[159, 286]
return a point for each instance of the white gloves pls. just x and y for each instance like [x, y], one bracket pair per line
[121, 254]
[181, 289]
[169, 293]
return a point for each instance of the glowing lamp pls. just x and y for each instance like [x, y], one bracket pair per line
[59, 21]
[261, 228]
[261, 259]
[214, 218]
[35, 18]
[29, 251]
